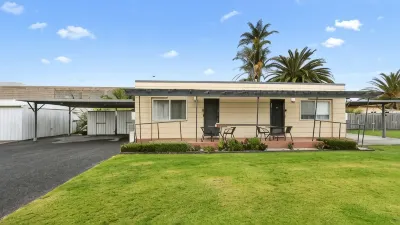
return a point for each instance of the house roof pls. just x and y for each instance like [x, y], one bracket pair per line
[85, 103]
[251, 93]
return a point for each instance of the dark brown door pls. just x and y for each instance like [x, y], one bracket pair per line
[211, 114]
[277, 112]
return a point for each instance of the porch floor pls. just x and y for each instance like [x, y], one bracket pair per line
[298, 142]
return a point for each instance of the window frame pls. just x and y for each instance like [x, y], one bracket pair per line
[315, 101]
[169, 109]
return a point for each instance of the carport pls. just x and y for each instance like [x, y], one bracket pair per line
[76, 103]
[381, 103]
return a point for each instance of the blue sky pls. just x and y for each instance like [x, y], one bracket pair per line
[114, 43]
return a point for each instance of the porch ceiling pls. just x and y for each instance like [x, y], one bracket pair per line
[251, 93]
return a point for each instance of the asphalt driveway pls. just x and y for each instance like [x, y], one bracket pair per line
[28, 170]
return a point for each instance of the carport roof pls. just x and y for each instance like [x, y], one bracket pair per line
[371, 102]
[85, 103]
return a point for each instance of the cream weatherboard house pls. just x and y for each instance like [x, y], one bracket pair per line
[179, 109]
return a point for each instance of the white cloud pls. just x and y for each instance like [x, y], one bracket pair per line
[75, 33]
[38, 26]
[229, 15]
[333, 42]
[63, 59]
[330, 29]
[380, 18]
[12, 7]
[45, 61]
[209, 71]
[170, 54]
[349, 24]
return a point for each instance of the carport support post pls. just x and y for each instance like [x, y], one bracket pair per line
[383, 121]
[365, 122]
[315, 118]
[35, 111]
[69, 120]
[196, 116]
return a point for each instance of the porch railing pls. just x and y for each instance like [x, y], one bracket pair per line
[158, 129]
[340, 128]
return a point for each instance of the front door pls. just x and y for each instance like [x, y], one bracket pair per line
[277, 112]
[211, 114]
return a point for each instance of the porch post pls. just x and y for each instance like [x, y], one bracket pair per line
[365, 122]
[258, 102]
[69, 121]
[140, 123]
[315, 117]
[196, 116]
[383, 121]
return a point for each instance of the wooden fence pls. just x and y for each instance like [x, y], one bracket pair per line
[374, 121]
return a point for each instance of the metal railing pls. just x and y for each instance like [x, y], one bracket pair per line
[151, 129]
[340, 128]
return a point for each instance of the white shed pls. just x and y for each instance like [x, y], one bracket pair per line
[103, 122]
[17, 121]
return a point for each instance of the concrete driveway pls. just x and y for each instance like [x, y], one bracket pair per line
[29, 170]
[375, 140]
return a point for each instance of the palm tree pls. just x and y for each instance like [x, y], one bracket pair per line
[389, 84]
[300, 68]
[254, 52]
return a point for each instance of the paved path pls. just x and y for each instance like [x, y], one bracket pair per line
[375, 140]
[28, 170]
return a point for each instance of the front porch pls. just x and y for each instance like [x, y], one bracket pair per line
[299, 142]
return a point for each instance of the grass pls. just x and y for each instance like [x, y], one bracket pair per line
[277, 188]
[389, 133]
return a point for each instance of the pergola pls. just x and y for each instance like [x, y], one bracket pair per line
[250, 93]
[76, 103]
[381, 103]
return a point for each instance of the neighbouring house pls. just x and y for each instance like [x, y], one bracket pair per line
[171, 109]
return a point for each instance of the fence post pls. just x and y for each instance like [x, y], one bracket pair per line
[158, 131]
[180, 128]
[358, 136]
[340, 129]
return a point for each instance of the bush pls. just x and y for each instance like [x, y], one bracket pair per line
[209, 149]
[222, 144]
[156, 147]
[196, 148]
[234, 145]
[338, 144]
[253, 144]
[320, 145]
[290, 146]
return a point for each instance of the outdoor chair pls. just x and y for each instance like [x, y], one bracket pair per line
[210, 133]
[280, 132]
[228, 131]
[263, 131]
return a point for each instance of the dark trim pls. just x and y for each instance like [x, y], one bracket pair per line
[371, 102]
[251, 93]
[231, 82]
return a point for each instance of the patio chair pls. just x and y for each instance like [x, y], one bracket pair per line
[228, 131]
[280, 132]
[263, 131]
[210, 133]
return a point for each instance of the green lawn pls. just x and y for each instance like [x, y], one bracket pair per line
[389, 133]
[272, 188]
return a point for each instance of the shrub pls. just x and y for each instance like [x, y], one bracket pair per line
[196, 148]
[209, 149]
[320, 145]
[234, 145]
[222, 144]
[291, 146]
[338, 144]
[253, 144]
[156, 147]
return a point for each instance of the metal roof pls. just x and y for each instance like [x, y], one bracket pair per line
[85, 103]
[251, 93]
[233, 82]
[371, 102]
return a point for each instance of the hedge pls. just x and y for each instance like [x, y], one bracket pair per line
[156, 147]
[339, 144]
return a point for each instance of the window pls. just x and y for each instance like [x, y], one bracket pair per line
[164, 110]
[308, 110]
